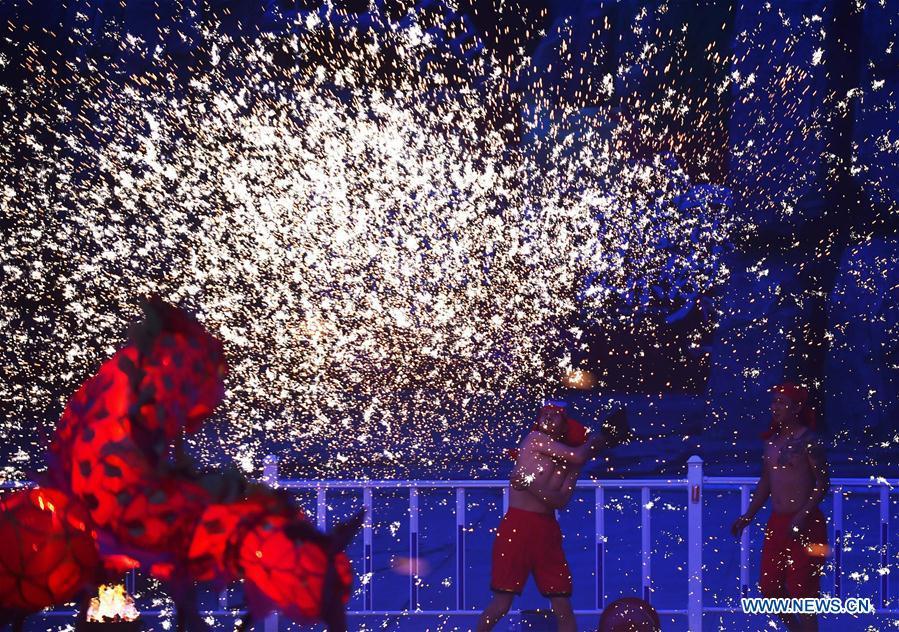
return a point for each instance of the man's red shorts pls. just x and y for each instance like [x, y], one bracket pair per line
[791, 565]
[530, 542]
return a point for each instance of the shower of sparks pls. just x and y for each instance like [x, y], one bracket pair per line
[394, 280]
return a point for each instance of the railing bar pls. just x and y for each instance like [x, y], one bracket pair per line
[144, 613]
[862, 484]
[460, 548]
[884, 546]
[600, 546]
[744, 543]
[694, 543]
[396, 613]
[131, 581]
[838, 542]
[403, 613]
[321, 508]
[271, 476]
[873, 483]
[360, 613]
[645, 543]
[413, 548]
[367, 596]
[450, 484]
[474, 613]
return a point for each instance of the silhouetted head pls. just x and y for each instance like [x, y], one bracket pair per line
[790, 407]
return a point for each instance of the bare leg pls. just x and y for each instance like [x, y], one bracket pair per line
[495, 610]
[564, 614]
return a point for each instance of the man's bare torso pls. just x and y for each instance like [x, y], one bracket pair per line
[536, 470]
[790, 470]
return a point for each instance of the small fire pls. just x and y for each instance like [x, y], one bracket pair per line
[111, 604]
[580, 379]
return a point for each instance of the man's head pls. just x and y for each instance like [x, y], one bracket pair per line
[789, 407]
[552, 420]
[785, 409]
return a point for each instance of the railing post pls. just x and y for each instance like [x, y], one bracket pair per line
[270, 478]
[744, 544]
[271, 623]
[321, 508]
[645, 543]
[884, 545]
[270, 470]
[460, 548]
[367, 566]
[838, 542]
[600, 503]
[694, 544]
[131, 582]
[413, 548]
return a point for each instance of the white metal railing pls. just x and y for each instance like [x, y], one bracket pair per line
[460, 488]
[694, 485]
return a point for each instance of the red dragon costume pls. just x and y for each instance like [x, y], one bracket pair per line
[120, 493]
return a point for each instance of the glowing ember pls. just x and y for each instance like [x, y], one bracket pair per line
[112, 603]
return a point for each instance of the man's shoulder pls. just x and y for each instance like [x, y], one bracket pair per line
[535, 435]
[534, 441]
[813, 444]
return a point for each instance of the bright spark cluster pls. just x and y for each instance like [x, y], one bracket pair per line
[390, 274]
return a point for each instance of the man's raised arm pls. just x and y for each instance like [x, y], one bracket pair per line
[557, 450]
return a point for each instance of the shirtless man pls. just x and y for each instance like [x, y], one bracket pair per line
[794, 475]
[529, 539]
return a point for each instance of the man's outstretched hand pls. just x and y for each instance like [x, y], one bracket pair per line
[615, 429]
[739, 524]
